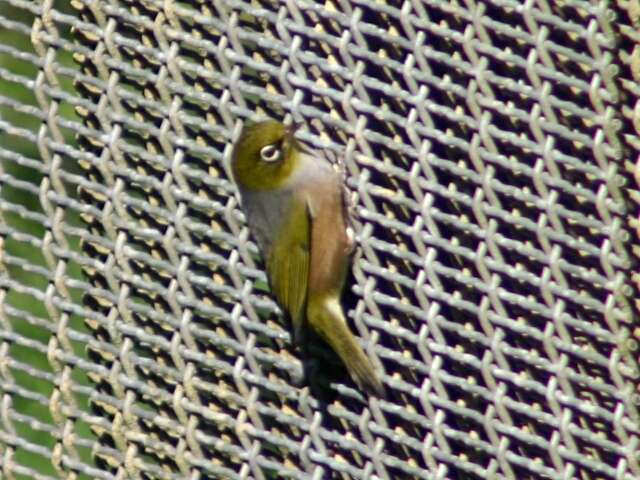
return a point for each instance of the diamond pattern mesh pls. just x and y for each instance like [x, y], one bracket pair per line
[491, 150]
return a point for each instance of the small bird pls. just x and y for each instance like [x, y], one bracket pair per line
[294, 201]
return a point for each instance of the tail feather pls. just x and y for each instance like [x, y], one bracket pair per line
[328, 321]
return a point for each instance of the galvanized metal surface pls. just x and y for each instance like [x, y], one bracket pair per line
[491, 150]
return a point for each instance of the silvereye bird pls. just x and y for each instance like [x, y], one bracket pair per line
[294, 201]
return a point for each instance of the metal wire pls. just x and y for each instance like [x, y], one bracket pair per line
[491, 151]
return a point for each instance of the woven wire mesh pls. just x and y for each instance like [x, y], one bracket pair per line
[490, 148]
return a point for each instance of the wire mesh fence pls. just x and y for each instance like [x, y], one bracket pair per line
[491, 151]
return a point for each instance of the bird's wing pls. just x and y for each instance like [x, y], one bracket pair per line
[288, 265]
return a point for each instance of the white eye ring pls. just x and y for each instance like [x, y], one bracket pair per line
[270, 153]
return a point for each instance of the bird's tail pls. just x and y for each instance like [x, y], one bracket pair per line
[327, 320]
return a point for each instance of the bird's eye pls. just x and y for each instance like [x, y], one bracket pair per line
[270, 153]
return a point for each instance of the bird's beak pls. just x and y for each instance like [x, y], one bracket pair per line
[293, 128]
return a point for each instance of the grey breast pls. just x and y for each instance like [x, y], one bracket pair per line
[265, 213]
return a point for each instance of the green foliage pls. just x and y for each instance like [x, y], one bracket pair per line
[30, 325]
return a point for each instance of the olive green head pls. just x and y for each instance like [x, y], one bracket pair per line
[265, 155]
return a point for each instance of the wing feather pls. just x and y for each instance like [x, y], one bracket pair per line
[288, 266]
